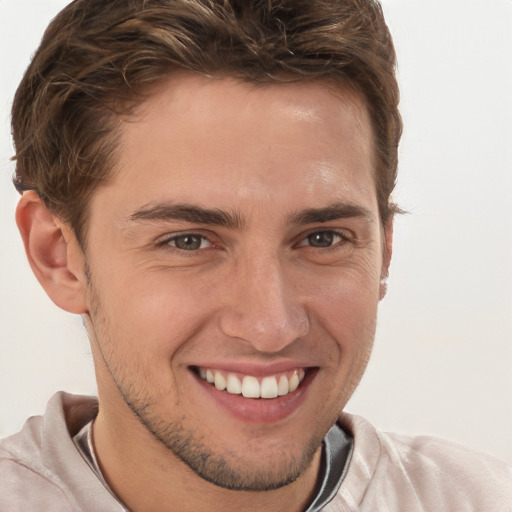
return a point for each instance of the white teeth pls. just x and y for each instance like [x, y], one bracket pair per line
[234, 386]
[269, 387]
[294, 382]
[250, 387]
[283, 387]
[220, 381]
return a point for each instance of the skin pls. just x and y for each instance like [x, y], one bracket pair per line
[289, 166]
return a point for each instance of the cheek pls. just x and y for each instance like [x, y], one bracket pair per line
[345, 310]
[140, 326]
[350, 322]
[150, 316]
[350, 293]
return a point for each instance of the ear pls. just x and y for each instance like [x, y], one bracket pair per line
[387, 236]
[53, 253]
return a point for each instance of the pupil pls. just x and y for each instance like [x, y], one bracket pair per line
[188, 242]
[323, 239]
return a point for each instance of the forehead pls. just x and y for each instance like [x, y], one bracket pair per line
[216, 140]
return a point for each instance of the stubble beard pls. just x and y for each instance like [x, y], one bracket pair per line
[279, 469]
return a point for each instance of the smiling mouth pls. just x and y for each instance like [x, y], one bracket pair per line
[271, 386]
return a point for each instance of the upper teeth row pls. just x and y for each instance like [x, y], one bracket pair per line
[250, 387]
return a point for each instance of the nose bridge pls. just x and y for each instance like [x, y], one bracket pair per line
[264, 309]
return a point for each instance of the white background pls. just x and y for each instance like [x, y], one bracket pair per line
[443, 357]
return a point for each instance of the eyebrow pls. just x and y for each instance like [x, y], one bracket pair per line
[188, 213]
[332, 212]
[232, 220]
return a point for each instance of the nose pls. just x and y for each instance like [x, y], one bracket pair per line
[263, 306]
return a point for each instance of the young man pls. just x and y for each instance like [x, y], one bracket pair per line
[208, 184]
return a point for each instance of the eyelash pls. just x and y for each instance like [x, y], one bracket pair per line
[342, 235]
[166, 243]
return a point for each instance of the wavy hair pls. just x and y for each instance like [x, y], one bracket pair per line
[97, 58]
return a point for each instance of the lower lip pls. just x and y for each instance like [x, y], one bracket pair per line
[259, 410]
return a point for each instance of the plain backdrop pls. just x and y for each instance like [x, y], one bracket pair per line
[442, 362]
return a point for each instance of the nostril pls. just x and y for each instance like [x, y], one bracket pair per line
[266, 333]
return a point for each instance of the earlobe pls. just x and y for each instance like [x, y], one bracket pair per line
[53, 254]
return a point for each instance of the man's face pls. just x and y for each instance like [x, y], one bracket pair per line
[238, 242]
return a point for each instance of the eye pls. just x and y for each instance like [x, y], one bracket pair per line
[188, 242]
[322, 239]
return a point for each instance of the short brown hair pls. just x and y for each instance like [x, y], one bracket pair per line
[97, 57]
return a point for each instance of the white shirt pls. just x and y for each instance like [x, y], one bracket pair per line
[41, 469]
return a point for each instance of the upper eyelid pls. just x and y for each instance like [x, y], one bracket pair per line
[343, 233]
[345, 236]
[197, 235]
[165, 243]
[178, 234]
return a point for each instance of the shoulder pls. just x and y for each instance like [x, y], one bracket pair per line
[35, 462]
[421, 473]
[455, 470]
[29, 487]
